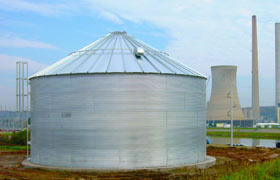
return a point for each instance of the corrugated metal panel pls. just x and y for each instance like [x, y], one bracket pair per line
[118, 120]
[115, 53]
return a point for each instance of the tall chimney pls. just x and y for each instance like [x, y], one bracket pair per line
[277, 70]
[255, 73]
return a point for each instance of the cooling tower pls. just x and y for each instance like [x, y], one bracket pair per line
[223, 77]
[255, 73]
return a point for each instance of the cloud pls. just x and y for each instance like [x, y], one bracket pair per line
[245, 12]
[13, 42]
[8, 98]
[59, 8]
[8, 64]
[46, 9]
[204, 33]
[10, 22]
[201, 33]
[7, 80]
[111, 17]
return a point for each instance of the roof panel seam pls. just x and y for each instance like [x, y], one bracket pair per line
[149, 61]
[93, 64]
[112, 53]
[122, 56]
[55, 68]
[126, 40]
[155, 58]
[90, 55]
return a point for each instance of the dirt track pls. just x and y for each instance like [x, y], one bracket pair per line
[228, 160]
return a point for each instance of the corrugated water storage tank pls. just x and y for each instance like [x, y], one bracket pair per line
[118, 104]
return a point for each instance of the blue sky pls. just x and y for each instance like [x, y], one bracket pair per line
[199, 33]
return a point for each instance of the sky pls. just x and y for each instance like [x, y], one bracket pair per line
[198, 33]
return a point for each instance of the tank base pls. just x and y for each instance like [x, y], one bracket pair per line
[209, 161]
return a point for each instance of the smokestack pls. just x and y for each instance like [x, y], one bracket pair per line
[255, 73]
[277, 70]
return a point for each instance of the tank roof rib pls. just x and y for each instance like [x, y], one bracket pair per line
[117, 52]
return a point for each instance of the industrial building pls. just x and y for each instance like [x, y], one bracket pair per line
[267, 114]
[218, 108]
[13, 120]
[118, 104]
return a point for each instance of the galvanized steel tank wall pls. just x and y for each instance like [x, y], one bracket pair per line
[118, 121]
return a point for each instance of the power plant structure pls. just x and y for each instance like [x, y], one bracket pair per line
[277, 70]
[22, 86]
[118, 104]
[223, 83]
[13, 120]
[255, 72]
[267, 114]
[17, 119]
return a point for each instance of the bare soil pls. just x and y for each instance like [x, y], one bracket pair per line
[228, 160]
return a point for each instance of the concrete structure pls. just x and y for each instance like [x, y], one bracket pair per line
[267, 114]
[248, 113]
[209, 161]
[118, 104]
[277, 70]
[223, 78]
[255, 72]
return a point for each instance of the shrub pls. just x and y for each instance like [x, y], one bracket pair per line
[19, 138]
[14, 138]
[4, 139]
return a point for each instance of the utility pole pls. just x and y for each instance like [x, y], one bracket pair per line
[231, 117]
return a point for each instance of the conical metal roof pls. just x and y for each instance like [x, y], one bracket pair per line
[117, 52]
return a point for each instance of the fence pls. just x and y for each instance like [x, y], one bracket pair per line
[12, 120]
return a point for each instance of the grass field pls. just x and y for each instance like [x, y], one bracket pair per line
[12, 148]
[256, 135]
[234, 128]
[240, 128]
[268, 170]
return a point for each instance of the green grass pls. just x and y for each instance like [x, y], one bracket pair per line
[6, 133]
[256, 135]
[242, 128]
[269, 170]
[239, 128]
[13, 148]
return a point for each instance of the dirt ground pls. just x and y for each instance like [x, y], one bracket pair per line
[228, 160]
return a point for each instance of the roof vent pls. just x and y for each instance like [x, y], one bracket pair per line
[165, 53]
[118, 32]
[139, 51]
